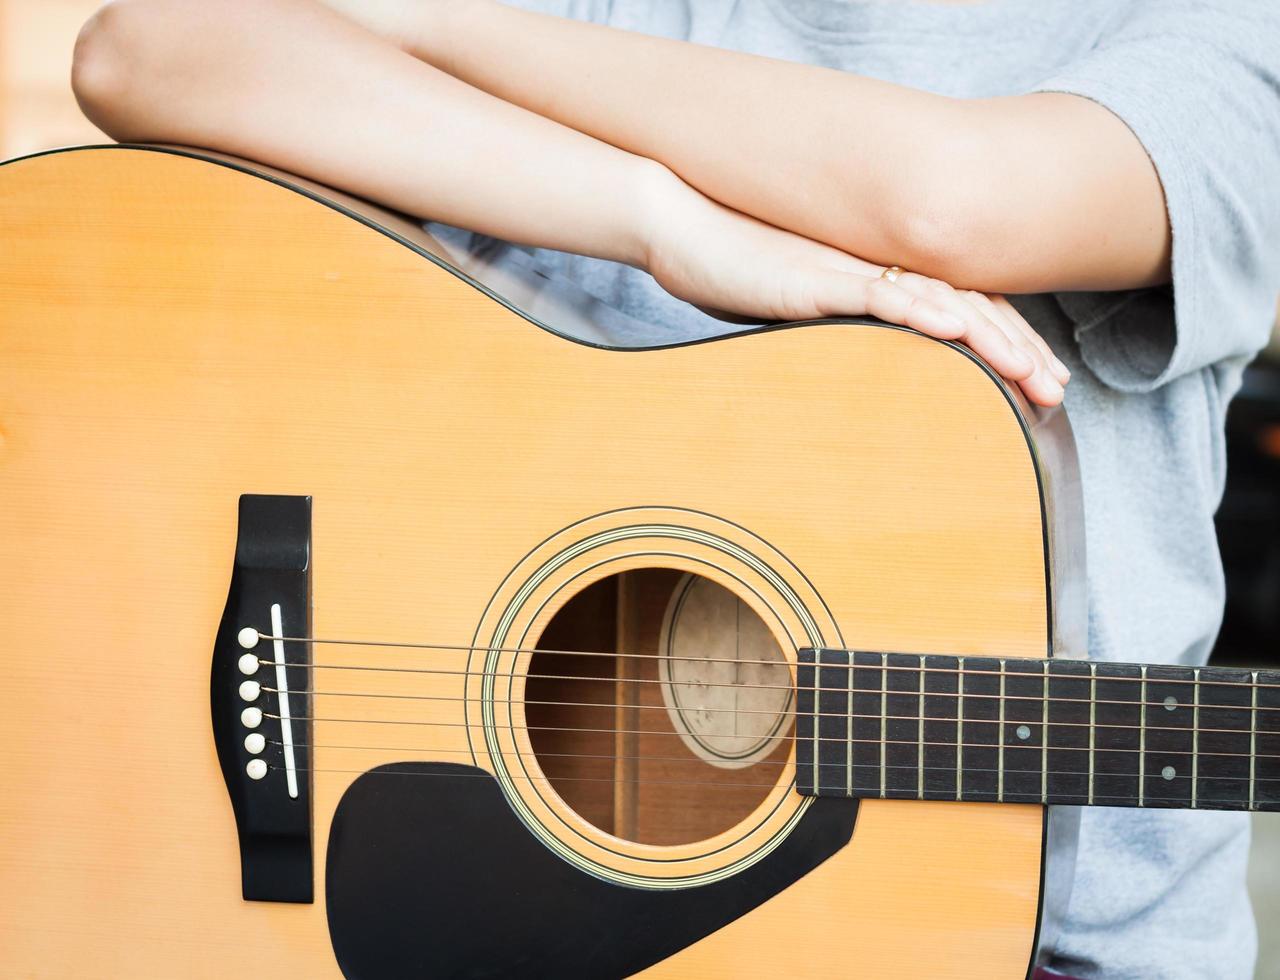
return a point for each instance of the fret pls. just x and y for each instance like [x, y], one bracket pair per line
[806, 723]
[1093, 722]
[884, 721]
[1170, 697]
[960, 679]
[1000, 742]
[1044, 737]
[920, 737]
[941, 683]
[1068, 756]
[1195, 738]
[833, 720]
[1253, 736]
[979, 730]
[1117, 753]
[903, 709]
[1223, 714]
[868, 729]
[1022, 731]
[848, 745]
[1142, 735]
[1266, 783]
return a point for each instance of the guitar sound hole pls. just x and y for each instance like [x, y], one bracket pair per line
[683, 729]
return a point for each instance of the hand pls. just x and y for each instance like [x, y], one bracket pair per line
[713, 257]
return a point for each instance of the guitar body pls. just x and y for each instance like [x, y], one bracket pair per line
[177, 331]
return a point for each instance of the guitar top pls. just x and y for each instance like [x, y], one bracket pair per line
[369, 615]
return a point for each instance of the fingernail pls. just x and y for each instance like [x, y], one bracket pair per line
[1060, 370]
[1055, 390]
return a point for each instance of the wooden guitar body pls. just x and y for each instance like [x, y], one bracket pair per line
[178, 331]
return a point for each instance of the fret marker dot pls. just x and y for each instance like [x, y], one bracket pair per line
[1170, 703]
[1168, 772]
[1023, 732]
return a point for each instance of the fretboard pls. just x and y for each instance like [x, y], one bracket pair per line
[905, 726]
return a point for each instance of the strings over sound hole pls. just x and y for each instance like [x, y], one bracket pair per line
[682, 728]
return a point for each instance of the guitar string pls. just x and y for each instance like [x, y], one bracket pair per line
[799, 739]
[840, 690]
[1014, 661]
[766, 762]
[533, 755]
[789, 712]
[1037, 797]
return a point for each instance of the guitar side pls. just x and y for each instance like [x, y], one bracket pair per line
[178, 332]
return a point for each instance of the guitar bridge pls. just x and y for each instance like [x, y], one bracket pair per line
[259, 696]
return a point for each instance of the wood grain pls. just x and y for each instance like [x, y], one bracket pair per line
[175, 333]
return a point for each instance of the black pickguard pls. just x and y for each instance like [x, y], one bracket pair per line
[439, 878]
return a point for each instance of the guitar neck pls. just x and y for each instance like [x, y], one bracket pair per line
[906, 726]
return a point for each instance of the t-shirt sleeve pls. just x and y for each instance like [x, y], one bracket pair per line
[1199, 85]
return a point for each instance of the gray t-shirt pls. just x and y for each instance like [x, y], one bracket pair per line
[1158, 893]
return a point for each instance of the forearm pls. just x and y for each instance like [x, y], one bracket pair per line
[292, 84]
[1009, 195]
[296, 86]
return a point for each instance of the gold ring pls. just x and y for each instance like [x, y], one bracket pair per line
[892, 273]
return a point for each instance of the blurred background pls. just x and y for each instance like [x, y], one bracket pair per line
[37, 111]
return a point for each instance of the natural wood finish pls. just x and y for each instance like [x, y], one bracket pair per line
[37, 107]
[175, 333]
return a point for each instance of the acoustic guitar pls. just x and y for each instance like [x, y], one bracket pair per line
[366, 614]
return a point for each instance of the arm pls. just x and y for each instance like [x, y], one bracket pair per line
[1021, 194]
[294, 85]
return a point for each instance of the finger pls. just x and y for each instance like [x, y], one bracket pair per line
[891, 302]
[1017, 329]
[1017, 319]
[1007, 354]
[846, 294]
[938, 312]
[1042, 386]
[1023, 337]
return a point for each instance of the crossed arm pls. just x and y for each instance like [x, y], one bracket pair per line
[691, 162]
[1015, 195]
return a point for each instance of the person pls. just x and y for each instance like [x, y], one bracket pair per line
[1112, 164]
